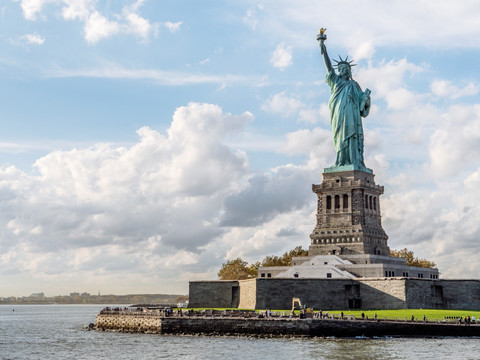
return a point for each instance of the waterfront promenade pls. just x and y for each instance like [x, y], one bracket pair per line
[249, 323]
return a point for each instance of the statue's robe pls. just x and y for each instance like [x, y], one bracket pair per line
[345, 119]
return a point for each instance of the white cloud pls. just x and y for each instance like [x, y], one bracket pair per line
[429, 25]
[259, 201]
[32, 7]
[443, 88]
[132, 206]
[438, 223]
[387, 79]
[282, 56]
[29, 39]
[173, 27]
[304, 141]
[78, 9]
[250, 17]
[254, 243]
[455, 143]
[282, 104]
[98, 26]
[138, 25]
[115, 71]
[362, 50]
[315, 115]
[33, 39]
[316, 144]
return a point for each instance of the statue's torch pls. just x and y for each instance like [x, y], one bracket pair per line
[321, 35]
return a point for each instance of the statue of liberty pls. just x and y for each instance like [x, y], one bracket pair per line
[347, 104]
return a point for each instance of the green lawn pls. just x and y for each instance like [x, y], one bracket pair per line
[406, 314]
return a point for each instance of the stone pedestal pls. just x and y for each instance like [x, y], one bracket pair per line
[348, 216]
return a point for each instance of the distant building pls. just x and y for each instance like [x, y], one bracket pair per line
[38, 295]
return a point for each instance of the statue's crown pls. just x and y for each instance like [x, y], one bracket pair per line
[344, 61]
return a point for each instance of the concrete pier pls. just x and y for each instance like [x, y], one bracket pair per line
[234, 326]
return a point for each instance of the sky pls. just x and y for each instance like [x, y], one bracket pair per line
[143, 143]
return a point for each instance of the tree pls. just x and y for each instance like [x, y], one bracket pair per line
[181, 299]
[285, 259]
[237, 269]
[411, 259]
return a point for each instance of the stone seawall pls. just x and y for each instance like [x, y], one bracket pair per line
[129, 322]
[276, 327]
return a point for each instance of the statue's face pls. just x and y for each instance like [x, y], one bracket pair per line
[344, 71]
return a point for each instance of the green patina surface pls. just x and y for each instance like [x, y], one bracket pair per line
[336, 168]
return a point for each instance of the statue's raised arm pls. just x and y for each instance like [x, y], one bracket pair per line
[326, 58]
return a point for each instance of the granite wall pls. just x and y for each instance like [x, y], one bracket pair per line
[317, 293]
[443, 294]
[214, 294]
[328, 294]
[325, 294]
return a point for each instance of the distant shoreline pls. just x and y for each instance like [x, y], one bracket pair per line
[87, 299]
[93, 303]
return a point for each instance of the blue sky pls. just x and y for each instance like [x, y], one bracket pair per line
[143, 143]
